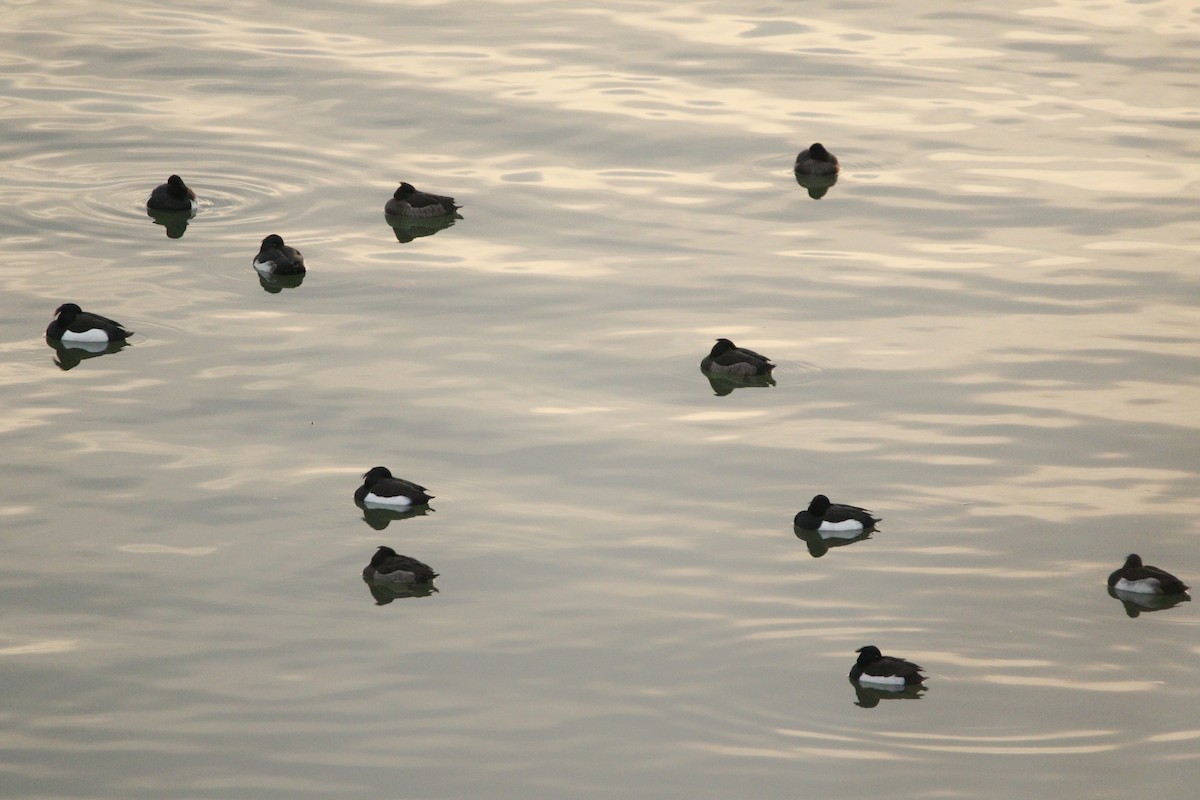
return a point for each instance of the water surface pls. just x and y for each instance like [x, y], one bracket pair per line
[986, 332]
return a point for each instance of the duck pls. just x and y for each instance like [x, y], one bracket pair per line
[1137, 577]
[874, 667]
[73, 324]
[174, 195]
[408, 202]
[277, 258]
[816, 160]
[826, 517]
[388, 565]
[726, 358]
[381, 489]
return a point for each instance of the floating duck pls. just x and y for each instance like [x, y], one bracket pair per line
[381, 489]
[174, 195]
[387, 565]
[816, 160]
[1142, 579]
[73, 324]
[408, 202]
[276, 258]
[726, 358]
[874, 667]
[826, 517]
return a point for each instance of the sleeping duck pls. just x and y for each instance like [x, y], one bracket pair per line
[174, 195]
[816, 160]
[726, 358]
[408, 202]
[381, 489]
[387, 565]
[826, 517]
[874, 667]
[73, 324]
[1137, 577]
[276, 258]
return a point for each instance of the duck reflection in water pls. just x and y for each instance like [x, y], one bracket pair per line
[869, 696]
[820, 542]
[384, 593]
[1137, 602]
[175, 222]
[817, 185]
[409, 228]
[725, 384]
[380, 518]
[68, 354]
[275, 284]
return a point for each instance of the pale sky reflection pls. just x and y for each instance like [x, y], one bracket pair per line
[41, 648]
[1047, 682]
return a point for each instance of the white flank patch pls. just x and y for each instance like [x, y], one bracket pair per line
[87, 347]
[93, 335]
[840, 534]
[373, 500]
[265, 267]
[845, 526]
[1144, 586]
[893, 681]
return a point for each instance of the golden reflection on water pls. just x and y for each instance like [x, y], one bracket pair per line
[1176, 736]
[854, 752]
[40, 648]
[1046, 682]
[1129, 401]
[1000, 318]
[163, 549]
[16, 419]
[572, 411]
[989, 571]
[1063, 495]
[1162, 19]
[1017, 750]
[788, 34]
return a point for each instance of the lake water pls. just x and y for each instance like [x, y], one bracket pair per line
[987, 333]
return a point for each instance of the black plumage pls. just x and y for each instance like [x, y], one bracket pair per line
[276, 258]
[874, 664]
[72, 323]
[388, 565]
[408, 202]
[816, 160]
[174, 195]
[1152, 579]
[380, 482]
[726, 358]
[821, 510]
